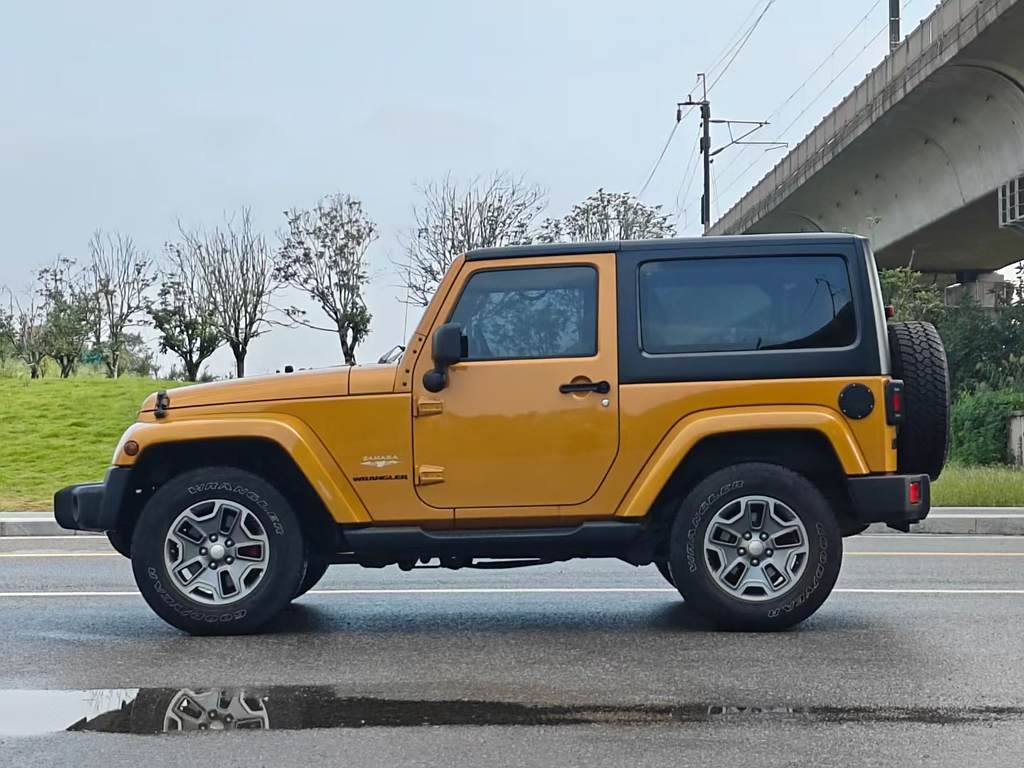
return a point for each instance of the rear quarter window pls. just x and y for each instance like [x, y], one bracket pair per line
[745, 304]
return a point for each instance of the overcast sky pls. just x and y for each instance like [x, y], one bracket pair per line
[131, 116]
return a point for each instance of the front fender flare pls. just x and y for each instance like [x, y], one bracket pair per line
[687, 432]
[293, 435]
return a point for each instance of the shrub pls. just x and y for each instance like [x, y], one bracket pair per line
[979, 427]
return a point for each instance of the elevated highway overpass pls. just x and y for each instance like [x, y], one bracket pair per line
[915, 157]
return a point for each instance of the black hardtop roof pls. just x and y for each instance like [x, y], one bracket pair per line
[616, 246]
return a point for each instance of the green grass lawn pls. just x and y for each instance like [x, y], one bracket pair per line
[54, 432]
[979, 487]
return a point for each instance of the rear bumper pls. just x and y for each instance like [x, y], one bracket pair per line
[92, 506]
[888, 498]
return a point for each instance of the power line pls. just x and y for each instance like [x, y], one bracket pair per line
[657, 162]
[840, 73]
[687, 180]
[735, 37]
[818, 96]
[735, 49]
[824, 62]
[742, 44]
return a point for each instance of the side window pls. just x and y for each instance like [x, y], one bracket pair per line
[530, 313]
[745, 304]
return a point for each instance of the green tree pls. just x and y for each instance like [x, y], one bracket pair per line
[911, 296]
[323, 255]
[182, 312]
[608, 216]
[69, 307]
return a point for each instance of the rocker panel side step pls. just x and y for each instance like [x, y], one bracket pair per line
[593, 539]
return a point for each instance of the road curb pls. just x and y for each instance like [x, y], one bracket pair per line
[993, 521]
[990, 521]
[34, 524]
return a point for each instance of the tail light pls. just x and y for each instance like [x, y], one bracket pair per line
[914, 493]
[895, 402]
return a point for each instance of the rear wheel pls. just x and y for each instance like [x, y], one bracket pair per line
[217, 551]
[755, 547]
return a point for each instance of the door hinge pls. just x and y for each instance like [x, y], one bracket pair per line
[428, 407]
[428, 474]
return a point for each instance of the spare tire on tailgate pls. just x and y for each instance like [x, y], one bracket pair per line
[919, 359]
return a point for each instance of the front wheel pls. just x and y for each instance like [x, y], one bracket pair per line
[217, 551]
[755, 547]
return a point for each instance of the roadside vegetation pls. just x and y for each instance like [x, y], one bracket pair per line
[54, 432]
[993, 486]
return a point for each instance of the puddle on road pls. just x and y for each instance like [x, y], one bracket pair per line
[173, 710]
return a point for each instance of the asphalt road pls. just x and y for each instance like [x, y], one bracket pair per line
[916, 659]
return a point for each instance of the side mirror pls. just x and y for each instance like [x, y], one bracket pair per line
[450, 346]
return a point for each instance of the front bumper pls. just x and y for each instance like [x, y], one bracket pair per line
[890, 499]
[92, 506]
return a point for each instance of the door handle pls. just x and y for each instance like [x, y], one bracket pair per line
[601, 387]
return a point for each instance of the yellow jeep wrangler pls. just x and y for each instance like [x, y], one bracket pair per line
[726, 409]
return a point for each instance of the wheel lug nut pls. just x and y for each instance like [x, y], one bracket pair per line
[202, 550]
[769, 552]
[229, 543]
[213, 537]
[747, 535]
[755, 561]
[213, 566]
[741, 551]
[229, 560]
[764, 537]
[212, 714]
[228, 719]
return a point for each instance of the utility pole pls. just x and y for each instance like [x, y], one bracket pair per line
[894, 25]
[705, 142]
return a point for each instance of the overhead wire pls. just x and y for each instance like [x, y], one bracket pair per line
[824, 62]
[732, 52]
[816, 98]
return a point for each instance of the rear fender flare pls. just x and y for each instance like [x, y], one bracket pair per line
[680, 440]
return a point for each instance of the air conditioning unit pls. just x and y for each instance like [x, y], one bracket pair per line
[1011, 204]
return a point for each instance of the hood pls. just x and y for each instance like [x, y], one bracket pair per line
[326, 382]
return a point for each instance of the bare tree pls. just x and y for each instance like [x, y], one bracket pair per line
[69, 307]
[323, 254]
[236, 268]
[120, 276]
[608, 216]
[183, 312]
[24, 325]
[456, 217]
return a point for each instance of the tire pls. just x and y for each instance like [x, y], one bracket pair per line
[169, 710]
[919, 359]
[721, 581]
[176, 540]
[315, 570]
[121, 541]
[662, 566]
